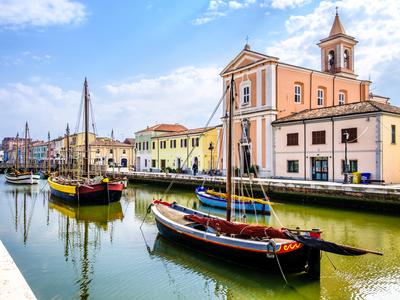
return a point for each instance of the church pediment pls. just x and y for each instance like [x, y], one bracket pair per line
[245, 58]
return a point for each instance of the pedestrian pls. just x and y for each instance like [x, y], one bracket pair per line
[194, 169]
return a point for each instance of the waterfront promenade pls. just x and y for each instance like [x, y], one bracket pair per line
[369, 196]
[12, 283]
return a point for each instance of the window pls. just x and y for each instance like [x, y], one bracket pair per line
[140, 146]
[154, 145]
[342, 98]
[195, 142]
[293, 166]
[147, 145]
[331, 60]
[353, 166]
[320, 97]
[97, 151]
[183, 143]
[145, 163]
[292, 139]
[297, 93]
[352, 135]
[171, 144]
[393, 134]
[246, 94]
[346, 59]
[124, 151]
[318, 137]
[153, 163]
[111, 151]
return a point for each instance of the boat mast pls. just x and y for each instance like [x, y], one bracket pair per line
[17, 155]
[26, 146]
[67, 133]
[48, 152]
[86, 116]
[229, 153]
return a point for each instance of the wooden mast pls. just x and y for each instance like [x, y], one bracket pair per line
[48, 152]
[17, 155]
[68, 159]
[26, 146]
[229, 153]
[86, 116]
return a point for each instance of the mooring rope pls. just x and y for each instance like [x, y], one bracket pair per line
[201, 134]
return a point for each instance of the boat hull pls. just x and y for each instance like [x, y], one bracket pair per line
[22, 178]
[101, 193]
[242, 252]
[214, 201]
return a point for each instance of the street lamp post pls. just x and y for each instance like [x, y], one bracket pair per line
[211, 148]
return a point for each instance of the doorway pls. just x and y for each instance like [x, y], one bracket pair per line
[319, 168]
[246, 159]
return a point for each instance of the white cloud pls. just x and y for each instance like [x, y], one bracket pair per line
[44, 106]
[283, 4]
[187, 95]
[373, 23]
[221, 8]
[21, 13]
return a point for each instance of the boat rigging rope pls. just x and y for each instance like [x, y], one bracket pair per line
[201, 134]
[260, 183]
[78, 120]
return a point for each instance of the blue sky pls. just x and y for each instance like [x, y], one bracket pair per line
[158, 61]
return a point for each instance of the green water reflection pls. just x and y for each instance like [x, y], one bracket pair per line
[98, 252]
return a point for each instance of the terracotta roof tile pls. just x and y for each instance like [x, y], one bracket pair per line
[188, 131]
[103, 142]
[337, 27]
[342, 110]
[164, 127]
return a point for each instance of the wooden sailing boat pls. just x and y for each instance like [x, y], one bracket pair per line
[216, 199]
[86, 190]
[261, 246]
[16, 176]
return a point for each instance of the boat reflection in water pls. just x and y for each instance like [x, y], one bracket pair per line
[225, 280]
[80, 229]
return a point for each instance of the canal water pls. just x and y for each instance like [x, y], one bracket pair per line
[99, 252]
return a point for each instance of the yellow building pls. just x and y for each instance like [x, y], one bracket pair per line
[181, 151]
[105, 151]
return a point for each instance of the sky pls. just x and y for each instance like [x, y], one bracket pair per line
[155, 61]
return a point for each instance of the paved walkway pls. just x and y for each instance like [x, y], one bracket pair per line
[12, 283]
[308, 184]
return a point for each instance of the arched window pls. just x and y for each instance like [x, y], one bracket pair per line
[320, 97]
[245, 92]
[297, 93]
[342, 97]
[331, 60]
[346, 59]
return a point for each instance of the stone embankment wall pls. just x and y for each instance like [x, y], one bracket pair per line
[371, 197]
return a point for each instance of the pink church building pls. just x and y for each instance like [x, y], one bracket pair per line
[272, 97]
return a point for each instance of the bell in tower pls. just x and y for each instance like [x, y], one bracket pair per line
[337, 51]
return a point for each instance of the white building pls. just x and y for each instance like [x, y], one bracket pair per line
[310, 145]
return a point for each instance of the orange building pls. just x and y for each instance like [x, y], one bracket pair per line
[268, 89]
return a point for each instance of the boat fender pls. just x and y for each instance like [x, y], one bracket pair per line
[271, 249]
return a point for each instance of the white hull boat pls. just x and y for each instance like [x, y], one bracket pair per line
[22, 178]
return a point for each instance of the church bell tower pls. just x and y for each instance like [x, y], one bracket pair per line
[337, 51]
